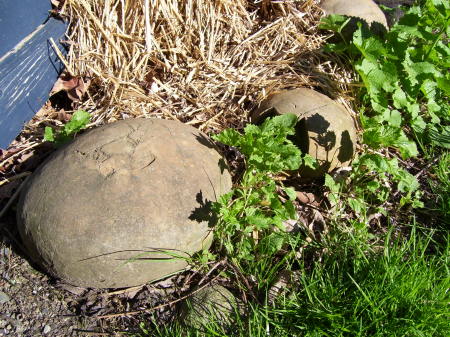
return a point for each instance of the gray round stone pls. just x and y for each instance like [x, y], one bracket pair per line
[362, 9]
[123, 204]
[325, 129]
[211, 304]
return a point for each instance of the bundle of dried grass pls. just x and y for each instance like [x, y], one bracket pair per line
[206, 63]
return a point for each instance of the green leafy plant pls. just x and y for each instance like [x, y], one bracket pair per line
[405, 76]
[252, 214]
[78, 122]
[374, 179]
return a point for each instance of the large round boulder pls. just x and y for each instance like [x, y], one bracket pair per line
[123, 204]
[366, 10]
[325, 129]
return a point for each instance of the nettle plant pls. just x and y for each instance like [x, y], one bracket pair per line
[405, 98]
[251, 216]
[405, 76]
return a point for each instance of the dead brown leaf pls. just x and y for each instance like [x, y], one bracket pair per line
[75, 87]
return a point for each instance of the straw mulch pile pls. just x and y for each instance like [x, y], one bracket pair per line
[205, 63]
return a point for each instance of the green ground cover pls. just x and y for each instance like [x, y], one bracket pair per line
[355, 279]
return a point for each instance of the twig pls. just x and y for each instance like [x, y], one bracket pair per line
[95, 333]
[247, 284]
[33, 145]
[61, 57]
[17, 176]
[123, 291]
[212, 269]
[426, 167]
[148, 36]
[130, 313]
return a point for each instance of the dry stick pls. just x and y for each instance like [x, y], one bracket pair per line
[212, 269]
[237, 271]
[148, 37]
[158, 306]
[19, 153]
[61, 57]
[18, 176]
[118, 292]
[100, 27]
[96, 333]
[426, 167]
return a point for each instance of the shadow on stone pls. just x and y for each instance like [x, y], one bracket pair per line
[346, 148]
[204, 140]
[204, 211]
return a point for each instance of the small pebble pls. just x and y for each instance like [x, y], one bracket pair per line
[4, 297]
[46, 329]
[4, 251]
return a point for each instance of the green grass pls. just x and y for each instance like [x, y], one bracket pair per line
[402, 289]
[441, 187]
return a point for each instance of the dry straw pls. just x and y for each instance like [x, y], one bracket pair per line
[207, 63]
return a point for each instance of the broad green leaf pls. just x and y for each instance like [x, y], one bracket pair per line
[333, 22]
[399, 98]
[309, 161]
[357, 205]
[407, 147]
[287, 121]
[229, 137]
[290, 193]
[259, 221]
[407, 182]
[79, 121]
[331, 184]
[271, 244]
[420, 71]
[49, 135]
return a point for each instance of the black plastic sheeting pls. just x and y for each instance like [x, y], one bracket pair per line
[28, 64]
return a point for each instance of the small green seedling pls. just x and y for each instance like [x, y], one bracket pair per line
[78, 122]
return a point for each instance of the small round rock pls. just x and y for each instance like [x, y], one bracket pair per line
[212, 304]
[363, 9]
[123, 204]
[325, 129]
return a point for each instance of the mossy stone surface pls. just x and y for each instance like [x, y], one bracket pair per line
[112, 208]
[325, 129]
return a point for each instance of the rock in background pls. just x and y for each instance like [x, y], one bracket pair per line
[396, 13]
[325, 129]
[367, 10]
